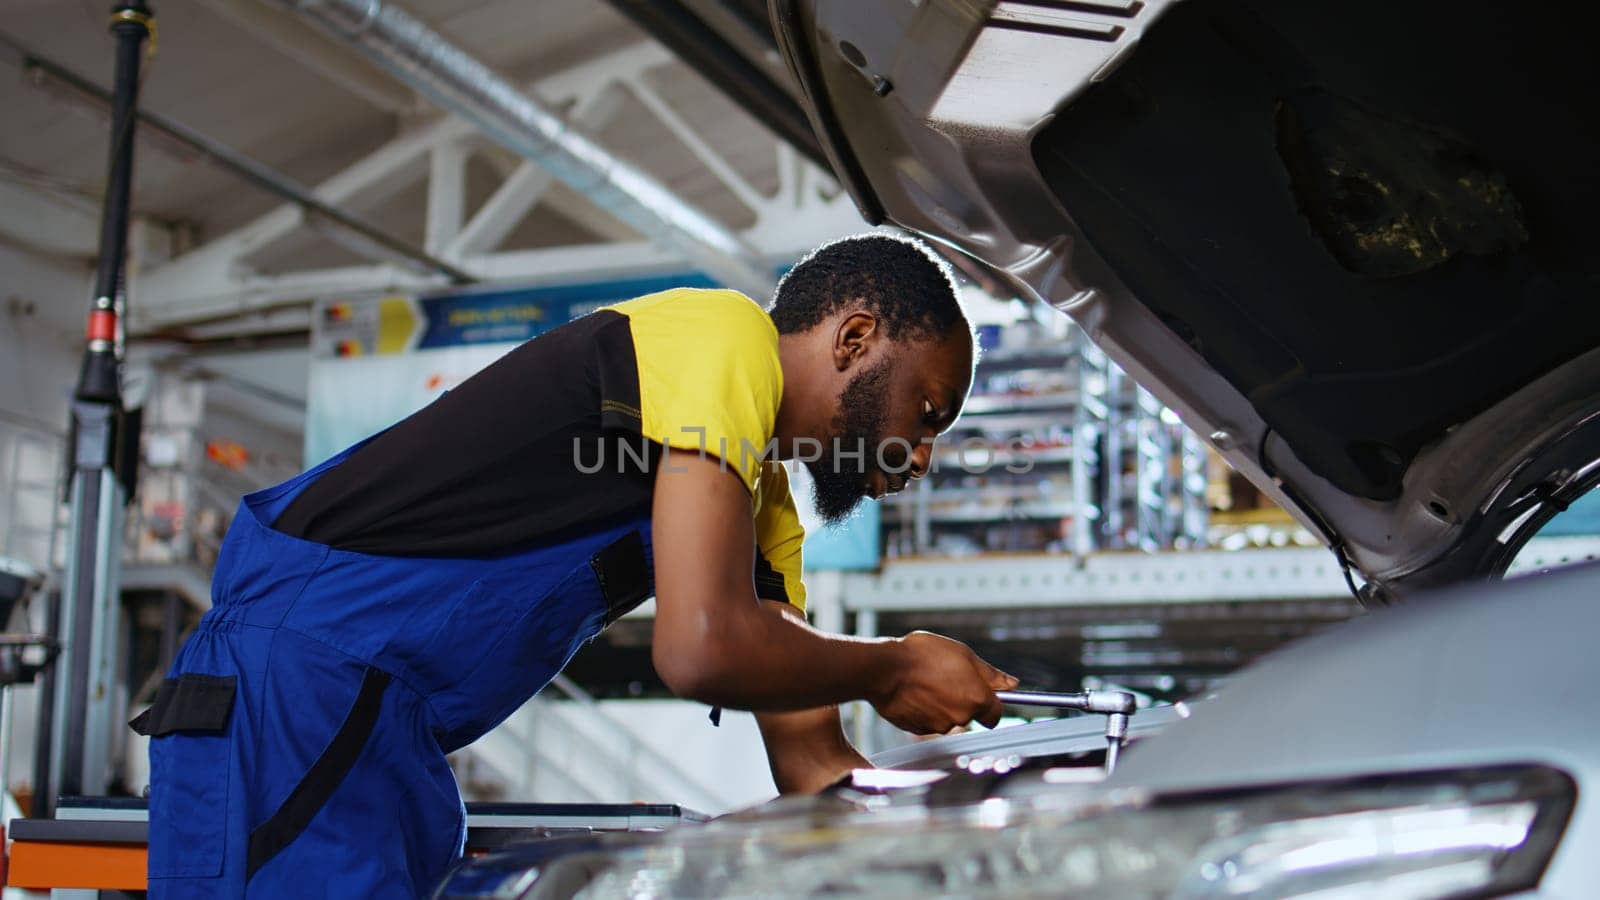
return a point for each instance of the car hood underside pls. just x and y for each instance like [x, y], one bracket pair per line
[1353, 243]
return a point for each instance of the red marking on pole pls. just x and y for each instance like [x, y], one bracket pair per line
[102, 325]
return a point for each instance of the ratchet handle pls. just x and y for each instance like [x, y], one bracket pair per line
[1107, 702]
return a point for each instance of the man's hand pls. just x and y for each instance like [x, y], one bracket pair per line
[941, 685]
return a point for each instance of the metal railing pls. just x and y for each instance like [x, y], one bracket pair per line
[635, 747]
[566, 731]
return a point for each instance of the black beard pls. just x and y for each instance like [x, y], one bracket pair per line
[858, 425]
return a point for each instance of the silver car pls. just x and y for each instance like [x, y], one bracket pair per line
[1434, 750]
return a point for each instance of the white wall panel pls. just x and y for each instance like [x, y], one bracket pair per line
[43, 303]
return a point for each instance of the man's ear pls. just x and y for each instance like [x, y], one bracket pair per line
[853, 338]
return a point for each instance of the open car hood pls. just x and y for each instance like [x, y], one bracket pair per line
[1353, 245]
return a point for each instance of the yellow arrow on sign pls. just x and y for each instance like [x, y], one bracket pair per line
[398, 323]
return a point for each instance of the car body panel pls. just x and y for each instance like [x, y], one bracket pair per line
[1486, 675]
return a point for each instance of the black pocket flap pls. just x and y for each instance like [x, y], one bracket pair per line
[194, 704]
[623, 570]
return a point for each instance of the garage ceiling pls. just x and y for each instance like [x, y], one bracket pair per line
[219, 72]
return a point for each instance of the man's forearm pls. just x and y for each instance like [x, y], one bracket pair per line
[714, 642]
[797, 667]
[807, 750]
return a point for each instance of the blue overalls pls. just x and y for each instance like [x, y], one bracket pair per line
[298, 746]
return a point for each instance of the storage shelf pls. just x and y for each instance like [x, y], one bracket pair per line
[982, 404]
[1091, 423]
[1004, 423]
[951, 460]
[1004, 513]
[1010, 492]
[1047, 357]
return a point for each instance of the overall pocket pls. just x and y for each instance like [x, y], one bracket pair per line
[191, 756]
[317, 786]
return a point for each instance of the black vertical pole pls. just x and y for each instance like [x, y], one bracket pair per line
[97, 403]
[99, 380]
[43, 788]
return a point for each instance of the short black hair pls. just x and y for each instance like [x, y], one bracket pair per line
[898, 279]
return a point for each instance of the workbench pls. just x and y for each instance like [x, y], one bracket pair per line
[95, 846]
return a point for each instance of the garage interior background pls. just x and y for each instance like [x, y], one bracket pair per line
[317, 250]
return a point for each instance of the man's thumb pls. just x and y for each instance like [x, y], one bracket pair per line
[1000, 681]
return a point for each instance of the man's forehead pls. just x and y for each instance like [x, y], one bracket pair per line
[955, 350]
[947, 364]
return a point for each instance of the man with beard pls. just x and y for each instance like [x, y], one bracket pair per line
[393, 604]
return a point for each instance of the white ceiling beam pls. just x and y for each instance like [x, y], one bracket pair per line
[447, 195]
[249, 300]
[526, 185]
[788, 171]
[310, 48]
[195, 284]
[793, 170]
[266, 322]
[235, 294]
[189, 285]
[455, 80]
[308, 286]
[585, 262]
[500, 214]
[793, 231]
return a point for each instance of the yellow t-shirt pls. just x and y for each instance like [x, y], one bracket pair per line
[709, 381]
[565, 433]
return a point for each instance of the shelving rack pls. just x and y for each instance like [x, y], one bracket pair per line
[1056, 451]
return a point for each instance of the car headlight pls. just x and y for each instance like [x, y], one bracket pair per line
[1482, 832]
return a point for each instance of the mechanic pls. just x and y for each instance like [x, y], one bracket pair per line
[393, 604]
